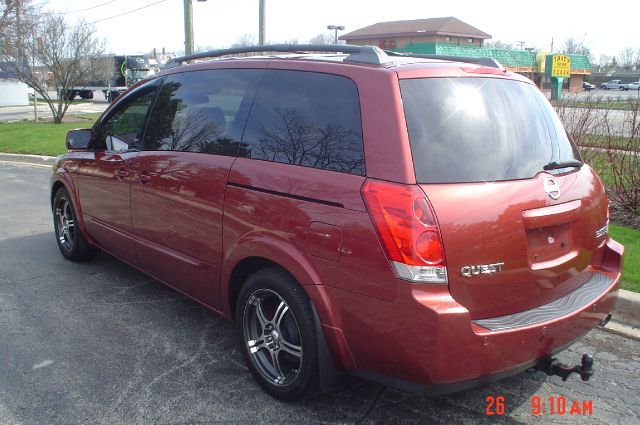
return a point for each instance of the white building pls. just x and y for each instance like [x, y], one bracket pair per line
[13, 92]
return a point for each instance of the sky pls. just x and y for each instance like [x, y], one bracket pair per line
[220, 23]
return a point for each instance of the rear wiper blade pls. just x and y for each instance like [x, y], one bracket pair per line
[555, 165]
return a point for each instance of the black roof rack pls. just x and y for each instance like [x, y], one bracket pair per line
[359, 54]
[485, 61]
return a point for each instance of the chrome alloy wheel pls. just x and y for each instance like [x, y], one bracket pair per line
[65, 224]
[272, 336]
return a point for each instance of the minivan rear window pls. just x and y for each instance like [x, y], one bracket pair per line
[480, 129]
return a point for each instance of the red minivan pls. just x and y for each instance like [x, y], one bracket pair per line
[423, 223]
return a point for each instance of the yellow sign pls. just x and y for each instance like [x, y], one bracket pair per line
[561, 66]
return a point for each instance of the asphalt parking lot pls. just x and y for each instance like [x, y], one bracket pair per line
[598, 94]
[19, 113]
[101, 343]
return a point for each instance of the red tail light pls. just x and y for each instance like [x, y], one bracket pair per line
[408, 230]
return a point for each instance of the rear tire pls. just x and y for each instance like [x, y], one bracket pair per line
[277, 332]
[71, 241]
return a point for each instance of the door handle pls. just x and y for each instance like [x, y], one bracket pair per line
[142, 177]
[121, 173]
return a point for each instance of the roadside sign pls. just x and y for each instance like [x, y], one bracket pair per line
[558, 66]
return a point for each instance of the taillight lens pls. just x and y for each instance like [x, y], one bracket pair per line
[408, 230]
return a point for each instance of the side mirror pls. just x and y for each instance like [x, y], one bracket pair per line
[78, 140]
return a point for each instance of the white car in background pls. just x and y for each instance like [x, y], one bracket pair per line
[631, 86]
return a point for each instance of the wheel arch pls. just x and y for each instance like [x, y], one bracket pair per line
[330, 353]
[241, 272]
[258, 250]
[55, 187]
[63, 180]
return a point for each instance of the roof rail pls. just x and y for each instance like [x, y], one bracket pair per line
[360, 54]
[485, 61]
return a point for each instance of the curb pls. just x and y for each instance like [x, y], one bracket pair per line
[32, 159]
[627, 308]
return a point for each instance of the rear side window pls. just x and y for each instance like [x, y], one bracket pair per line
[308, 119]
[480, 129]
[202, 111]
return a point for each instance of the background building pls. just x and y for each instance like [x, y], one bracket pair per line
[12, 91]
[453, 37]
[399, 34]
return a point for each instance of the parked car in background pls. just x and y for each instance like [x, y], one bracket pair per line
[587, 86]
[422, 223]
[631, 86]
[612, 85]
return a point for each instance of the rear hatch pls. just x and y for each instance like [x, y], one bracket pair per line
[515, 236]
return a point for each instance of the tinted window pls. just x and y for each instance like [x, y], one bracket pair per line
[308, 119]
[202, 111]
[124, 128]
[480, 129]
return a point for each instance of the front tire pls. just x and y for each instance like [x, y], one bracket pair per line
[276, 326]
[71, 241]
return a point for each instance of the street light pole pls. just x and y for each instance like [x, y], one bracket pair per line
[261, 22]
[188, 27]
[336, 28]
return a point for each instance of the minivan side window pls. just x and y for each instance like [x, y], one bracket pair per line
[124, 128]
[306, 118]
[202, 111]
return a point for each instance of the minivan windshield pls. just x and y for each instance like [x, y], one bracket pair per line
[481, 129]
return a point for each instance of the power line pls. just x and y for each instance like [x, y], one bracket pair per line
[125, 13]
[79, 10]
[89, 8]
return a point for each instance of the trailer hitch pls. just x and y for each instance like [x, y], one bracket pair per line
[552, 366]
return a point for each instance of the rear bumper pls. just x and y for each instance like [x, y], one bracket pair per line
[424, 341]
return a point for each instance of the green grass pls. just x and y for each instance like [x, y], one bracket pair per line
[600, 162]
[616, 142]
[630, 238]
[39, 138]
[602, 104]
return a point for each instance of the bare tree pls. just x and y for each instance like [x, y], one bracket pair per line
[13, 15]
[627, 56]
[54, 53]
[497, 44]
[7, 13]
[322, 38]
[604, 60]
[245, 40]
[576, 47]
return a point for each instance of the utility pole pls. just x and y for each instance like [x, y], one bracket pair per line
[18, 24]
[188, 27]
[261, 23]
[522, 43]
[35, 105]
